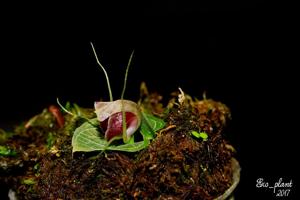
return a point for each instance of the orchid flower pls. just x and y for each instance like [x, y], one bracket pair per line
[120, 117]
[111, 119]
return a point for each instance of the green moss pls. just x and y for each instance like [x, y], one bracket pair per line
[28, 181]
[5, 151]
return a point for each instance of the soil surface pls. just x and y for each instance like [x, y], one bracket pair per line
[39, 163]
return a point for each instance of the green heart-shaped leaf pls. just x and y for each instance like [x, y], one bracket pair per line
[87, 138]
[150, 125]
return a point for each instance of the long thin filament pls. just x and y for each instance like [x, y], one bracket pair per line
[106, 76]
[125, 139]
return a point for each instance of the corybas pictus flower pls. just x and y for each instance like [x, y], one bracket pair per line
[110, 115]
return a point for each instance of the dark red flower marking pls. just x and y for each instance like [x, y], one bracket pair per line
[110, 116]
[114, 125]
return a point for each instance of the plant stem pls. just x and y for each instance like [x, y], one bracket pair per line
[126, 74]
[70, 113]
[64, 109]
[106, 76]
[125, 139]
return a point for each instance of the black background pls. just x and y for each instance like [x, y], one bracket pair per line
[239, 53]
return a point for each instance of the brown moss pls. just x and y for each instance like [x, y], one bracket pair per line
[185, 167]
[176, 165]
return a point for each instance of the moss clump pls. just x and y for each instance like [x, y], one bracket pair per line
[176, 164]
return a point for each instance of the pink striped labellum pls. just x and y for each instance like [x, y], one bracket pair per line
[110, 116]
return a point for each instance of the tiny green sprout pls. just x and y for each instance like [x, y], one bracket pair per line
[202, 135]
